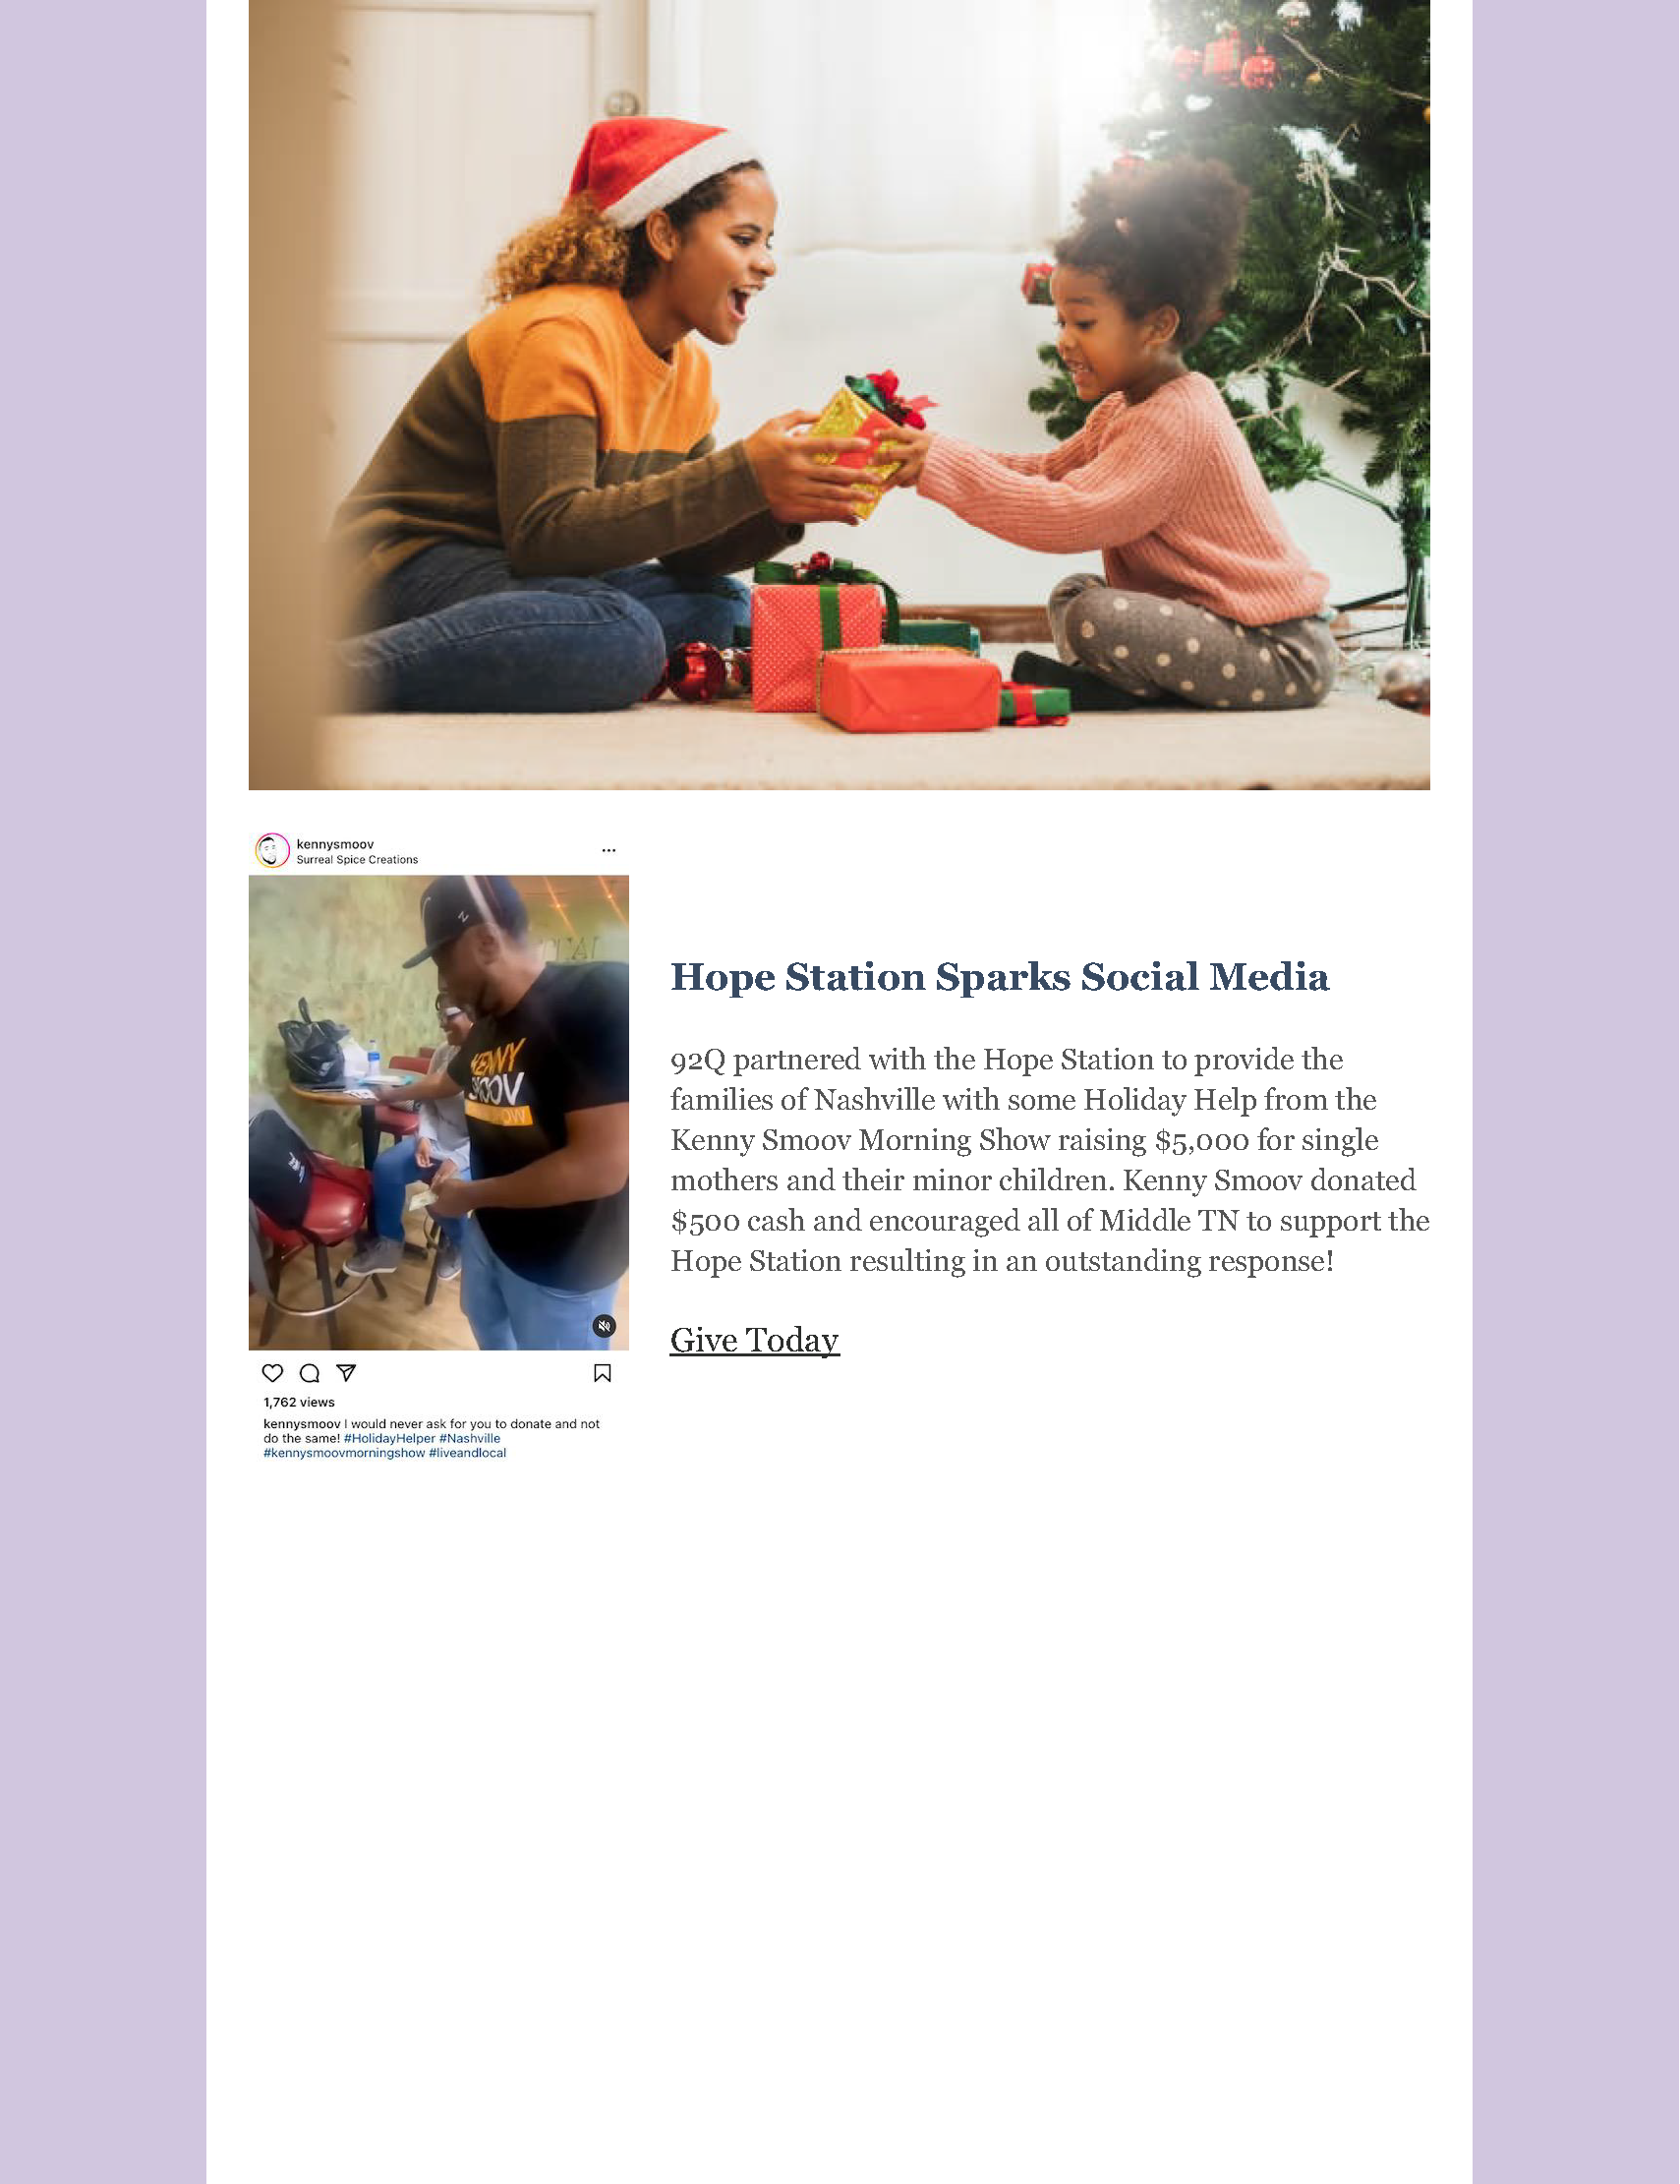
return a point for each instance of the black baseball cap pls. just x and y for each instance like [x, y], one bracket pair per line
[450, 906]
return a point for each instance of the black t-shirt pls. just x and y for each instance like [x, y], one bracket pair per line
[565, 1045]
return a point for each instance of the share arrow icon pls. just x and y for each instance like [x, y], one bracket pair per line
[347, 1371]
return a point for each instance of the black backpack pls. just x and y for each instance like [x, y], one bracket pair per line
[280, 1171]
[312, 1055]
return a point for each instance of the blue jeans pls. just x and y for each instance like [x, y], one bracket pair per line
[506, 1311]
[463, 634]
[396, 1167]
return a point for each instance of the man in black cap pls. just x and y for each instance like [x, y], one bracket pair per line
[546, 1075]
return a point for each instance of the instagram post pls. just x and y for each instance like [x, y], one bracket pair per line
[448, 1168]
[1134, 407]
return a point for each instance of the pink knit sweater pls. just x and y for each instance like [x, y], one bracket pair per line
[1166, 488]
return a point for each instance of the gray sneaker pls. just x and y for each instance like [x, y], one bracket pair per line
[382, 1256]
[448, 1263]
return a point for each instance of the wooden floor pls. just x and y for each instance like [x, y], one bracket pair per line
[1350, 741]
[402, 1320]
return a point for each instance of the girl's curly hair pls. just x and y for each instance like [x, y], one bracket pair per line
[579, 243]
[1158, 233]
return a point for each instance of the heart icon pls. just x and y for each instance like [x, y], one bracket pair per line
[272, 1372]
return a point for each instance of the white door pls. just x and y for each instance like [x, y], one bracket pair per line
[458, 120]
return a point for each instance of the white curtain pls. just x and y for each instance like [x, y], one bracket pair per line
[892, 126]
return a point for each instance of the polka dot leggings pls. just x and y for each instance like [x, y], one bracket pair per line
[1154, 647]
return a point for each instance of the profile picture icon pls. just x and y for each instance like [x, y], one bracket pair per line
[272, 850]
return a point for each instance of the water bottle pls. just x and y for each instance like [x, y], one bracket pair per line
[372, 1061]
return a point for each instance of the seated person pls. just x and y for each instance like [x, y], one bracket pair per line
[436, 1152]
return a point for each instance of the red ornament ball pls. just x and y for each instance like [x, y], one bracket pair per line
[695, 673]
[1260, 73]
[1405, 682]
[1188, 61]
[700, 675]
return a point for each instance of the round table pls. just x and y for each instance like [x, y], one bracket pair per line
[366, 1097]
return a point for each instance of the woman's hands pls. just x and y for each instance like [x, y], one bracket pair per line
[911, 449]
[798, 488]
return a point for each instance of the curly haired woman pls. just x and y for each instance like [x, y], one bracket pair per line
[1204, 599]
[548, 517]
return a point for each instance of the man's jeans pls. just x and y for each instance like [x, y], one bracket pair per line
[396, 1167]
[506, 1311]
[461, 633]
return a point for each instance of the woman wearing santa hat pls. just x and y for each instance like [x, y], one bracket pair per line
[548, 517]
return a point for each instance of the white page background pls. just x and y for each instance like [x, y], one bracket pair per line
[1035, 1741]
[1036, 1746]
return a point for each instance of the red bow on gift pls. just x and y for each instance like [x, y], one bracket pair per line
[901, 413]
[879, 389]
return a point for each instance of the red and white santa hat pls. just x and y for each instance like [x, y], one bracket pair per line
[633, 165]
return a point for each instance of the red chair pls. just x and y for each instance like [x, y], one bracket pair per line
[340, 1202]
[400, 1121]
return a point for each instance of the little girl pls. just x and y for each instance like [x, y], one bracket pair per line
[548, 517]
[1203, 598]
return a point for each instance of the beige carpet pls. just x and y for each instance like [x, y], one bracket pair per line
[1352, 742]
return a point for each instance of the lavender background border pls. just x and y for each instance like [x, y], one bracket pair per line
[1576, 1498]
[1574, 885]
[102, 1596]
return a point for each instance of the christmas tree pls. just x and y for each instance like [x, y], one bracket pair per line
[1321, 107]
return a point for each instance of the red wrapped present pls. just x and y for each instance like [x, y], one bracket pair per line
[906, 689]
[798, 613]
[1223, 59]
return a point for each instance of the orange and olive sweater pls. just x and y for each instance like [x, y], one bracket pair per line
[552, 431]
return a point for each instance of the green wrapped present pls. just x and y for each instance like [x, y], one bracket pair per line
[1027, 704]
[962, 635]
